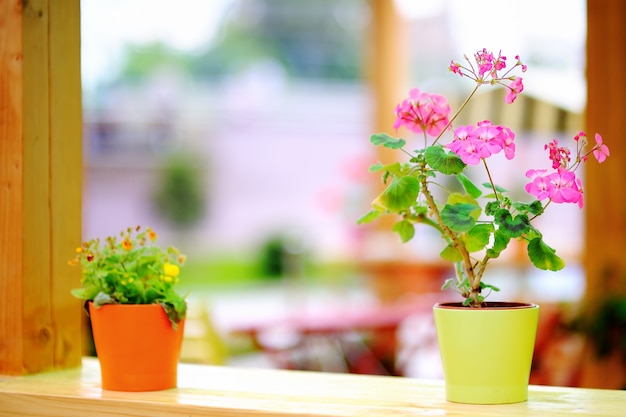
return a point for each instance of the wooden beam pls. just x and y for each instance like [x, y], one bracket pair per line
[605, 194]
[387, 71]
[11, 188]
[40, 177]
[387, 67]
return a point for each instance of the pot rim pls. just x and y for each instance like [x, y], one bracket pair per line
[491, 306]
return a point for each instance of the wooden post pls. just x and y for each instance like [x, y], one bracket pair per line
[40, 184]
[387, 66]
[387, 69]
[605, 194]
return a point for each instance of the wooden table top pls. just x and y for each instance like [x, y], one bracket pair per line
[229, 392]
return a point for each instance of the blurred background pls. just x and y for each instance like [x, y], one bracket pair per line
[239, 130]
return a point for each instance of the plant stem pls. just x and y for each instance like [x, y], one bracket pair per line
[457, 112]
[493, 186]
[450, 235]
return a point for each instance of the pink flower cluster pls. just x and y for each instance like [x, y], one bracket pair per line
[430, 114]
[423, 112]
[562, 185]
[487, 72]
[473, 143]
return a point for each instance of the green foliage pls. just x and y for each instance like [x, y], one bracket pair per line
[511, 226]
[605, 326]
[470, 232]
[399, 195]
[141, 61]
[447, 163]
[468, 185]
[180, 196]
[543, 256]
[478, 237]
[387, 141]
[405, 229]
[131, 269]
[458, 217]
[368, 217]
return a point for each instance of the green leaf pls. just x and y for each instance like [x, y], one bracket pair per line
[447, 163]
[543, 256]
[102, 299]
[468, 185]
[535, 207]
[478, 237]
[370, 216]
[492, 207]
[512, 226]
[387, 141]
[458, 198]
[399, 195]
[405, 229]
[498, 188]
[488, 286]
[458, 217]
[500, 242]
[448, 283]
[86, 293]
[395, 168]
[376, 167]
[450, 253]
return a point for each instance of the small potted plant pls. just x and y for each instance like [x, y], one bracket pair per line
[477, 223]
[136, 315]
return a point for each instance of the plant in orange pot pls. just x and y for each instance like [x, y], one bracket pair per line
[136, 315]
[486, 347]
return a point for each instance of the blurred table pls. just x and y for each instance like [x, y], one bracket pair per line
[361, 341]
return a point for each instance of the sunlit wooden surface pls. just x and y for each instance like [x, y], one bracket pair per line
[222, 391]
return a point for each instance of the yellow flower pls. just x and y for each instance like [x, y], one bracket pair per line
[127, 243]
[171, 270]
[166, 278]
[152, 234]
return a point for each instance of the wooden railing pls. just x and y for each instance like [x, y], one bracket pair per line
[225, 392]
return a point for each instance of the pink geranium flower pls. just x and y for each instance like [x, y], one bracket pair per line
[515, 87]
[423, 112]
[473, 143]
[565, 187]
[601, 151]
[541, 187]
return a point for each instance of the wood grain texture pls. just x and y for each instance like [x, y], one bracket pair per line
[40, 179]
[229, 392]
[11, 188]
[65, 178]
[36, 228]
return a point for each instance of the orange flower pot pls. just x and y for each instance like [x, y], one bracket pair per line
[137, 347]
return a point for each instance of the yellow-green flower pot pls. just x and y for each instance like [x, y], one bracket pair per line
[486, 352]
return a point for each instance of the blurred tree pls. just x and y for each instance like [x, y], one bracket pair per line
[180, 197]
[308, 38]
[141, 61]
